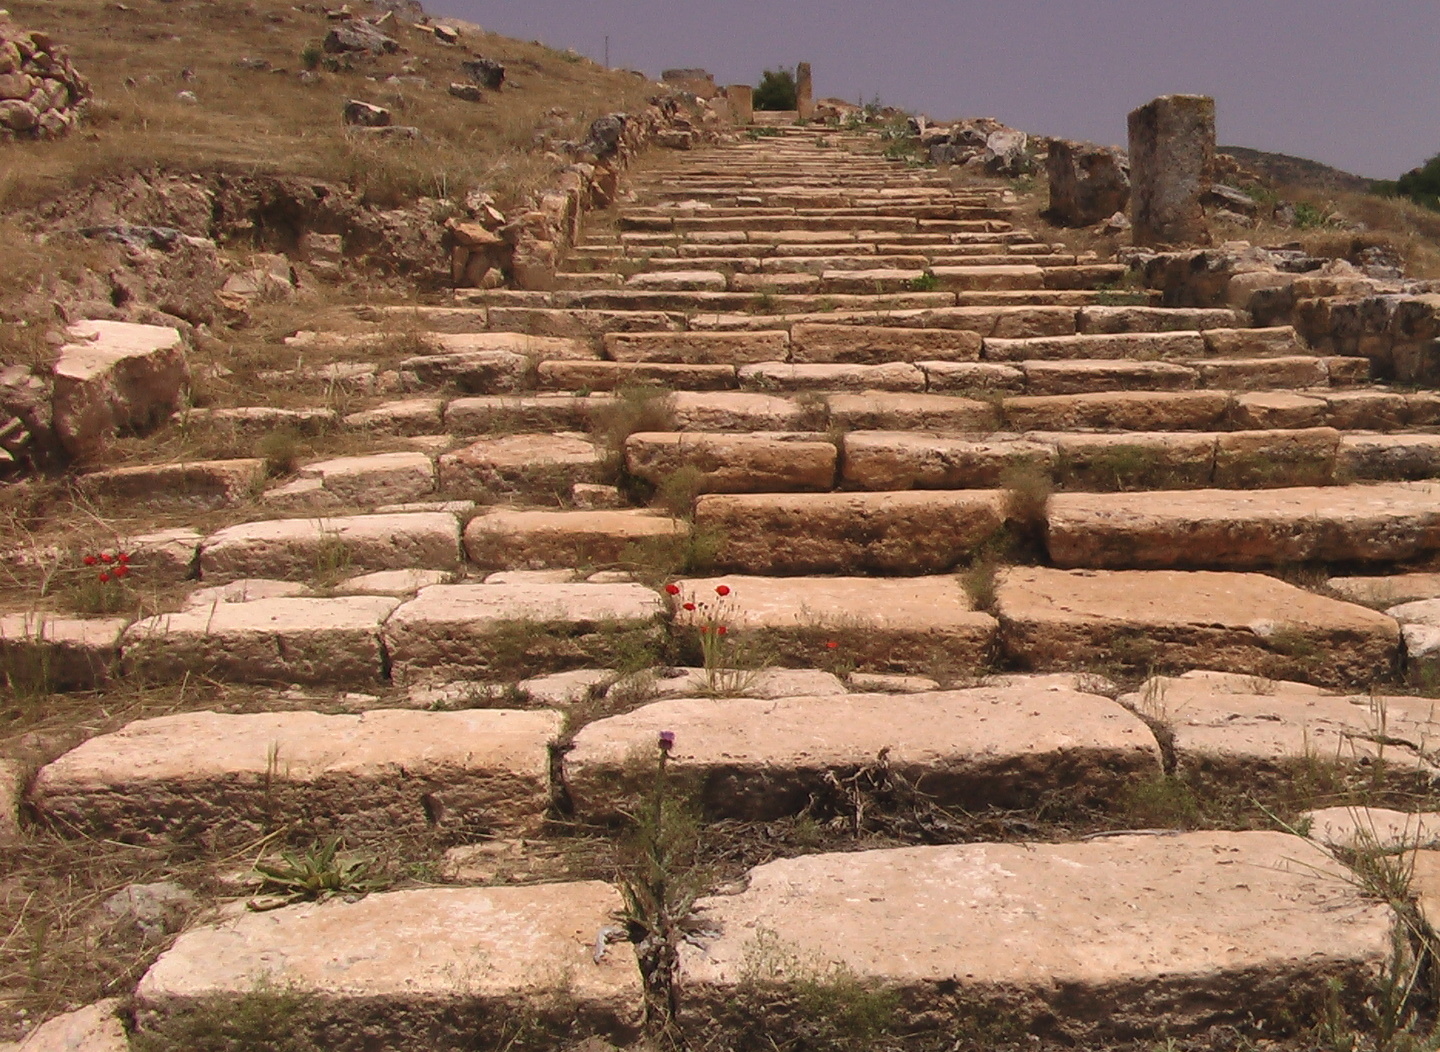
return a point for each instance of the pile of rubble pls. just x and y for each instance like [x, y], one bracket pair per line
[42, 96]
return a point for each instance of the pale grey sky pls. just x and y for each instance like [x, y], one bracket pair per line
[1353, 83]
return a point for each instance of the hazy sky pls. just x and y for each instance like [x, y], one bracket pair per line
[1353, 83]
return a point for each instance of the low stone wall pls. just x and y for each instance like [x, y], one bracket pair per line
[42, 96]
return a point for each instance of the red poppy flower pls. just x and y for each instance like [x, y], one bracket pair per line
[721, 630]
[105, 557]
[89, 560]
[104, 578]
[124, 557]
[672, 589]
[704, 630]
[121, 570]
[722, 589]
[831, 645]
[689, 606]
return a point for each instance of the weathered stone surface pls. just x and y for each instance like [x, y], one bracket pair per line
[435, 961]
[1388, 590]
[682, 682]
[1273, 409]
[1262, 732]
[1219, 927]
[1236, 530]
[850, 532]
[94, 1028]
[1088, 183]
[1278, 341]
[879, 624]
[12, 790]
[764, 759]
[901, 460]
[245, 590]
[778, 376]
[884, 411]
[1135, 459]
[532, 540]
[989, 279]
[1372, 828]
[1118, 411]
[1388, 457]
[607, 376]
[1256, 459]
[509, 413]
[872, 344]
[392, 582]
[1084, 376]
[410, 416]
[1094, 319]
[198, 483]
[1250, 623]
[973, 377]
[331, 641]
[1112, 346]
[368, 481]
[520, 464]
[698, 348]
[1362, 410]
[115, 376]
[760, 462]
[679, 281]
[475, 771]
[1172, 159]
[300, 549]
[458, 631]
[734, 411]
[40, 651]
[1258, 374]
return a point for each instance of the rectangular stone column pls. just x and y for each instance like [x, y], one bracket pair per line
[1172, 156]
[742, 103]
[804, 92]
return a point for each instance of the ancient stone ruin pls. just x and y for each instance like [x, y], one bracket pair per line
[42, 95]
[1036, 636]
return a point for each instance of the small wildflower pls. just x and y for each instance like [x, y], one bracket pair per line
[106, 557]
[722, 589]
[104, 577]
[667, 740]
[89, 560]
[831, 645]
[124, 558]
[721, 630]
[704, 630]
[672, 589]
[121, 570]
[688, 606]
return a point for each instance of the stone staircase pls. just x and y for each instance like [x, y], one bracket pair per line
[994, 499]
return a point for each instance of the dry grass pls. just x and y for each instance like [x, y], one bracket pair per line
[251, 121]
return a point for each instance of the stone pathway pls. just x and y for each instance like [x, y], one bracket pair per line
[853, 386]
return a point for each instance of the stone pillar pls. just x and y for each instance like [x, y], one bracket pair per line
[742, 103]
[1172, 157]
[804, 92]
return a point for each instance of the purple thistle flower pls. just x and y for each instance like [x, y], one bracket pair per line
[667, 740]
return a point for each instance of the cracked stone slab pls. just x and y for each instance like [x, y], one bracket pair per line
[765, 758]
[283, 640]
[302, 549]
[419, 969]
[1112, 937]
[476, 771]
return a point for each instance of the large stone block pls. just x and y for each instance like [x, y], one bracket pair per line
[115, 376]
[1172, 160]
[1088, 183]
[301, 549]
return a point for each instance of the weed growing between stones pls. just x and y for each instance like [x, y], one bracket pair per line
[1027, 495]
[677, 491]
[635, 408]
[270, 1017]
[731, 664]
[315, 875]
[926, 282]
[25, 667]
[654, 560]
[280, 449]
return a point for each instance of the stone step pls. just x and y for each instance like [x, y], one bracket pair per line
[1218, 929]
[1254, 529]
[1227, 730]
[886, 533]
[518, 539]
[471, 631]
[1179, 345]
[748, 302]
[413, 970]
[335, 642]
[1053, 620]
[302, 549]
[760, 462]
[979, 749]
[472, 773]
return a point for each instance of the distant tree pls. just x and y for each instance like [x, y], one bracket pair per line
[776, 90]
[1422, 185]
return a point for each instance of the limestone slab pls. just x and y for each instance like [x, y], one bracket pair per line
[1100, 319]
[1250, 623]
[525, 464]
[1118, 411]
[887, 411]
[607, 376]
[475, 771]
[459, 631]
[437, 962]
[985, 279]
[977, 749]
[1084, 376]
[878, 624]
[1274, 409]
[301, 549]
[1217, 927]
[380, 478]
[698, 348]
[113, 376]
[871, 344]
[1276, 457]
[199, 483]
[734, 411]
[974, 378]
[409, 416]
[759, 462]
[291, 640]
[94, 1028]
[1240, 530]
[901, 460]
[1372, 828]
[915, 532]
[1132, 460]
[1389, 457]
[1272, 342]
[529, 540]
[40, 651]
[391, 582]
[1143, 345]
[1387, 590]
[1258, 374]
[510, 413]
[779, 376]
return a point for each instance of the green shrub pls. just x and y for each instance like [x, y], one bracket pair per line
[776, 90]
